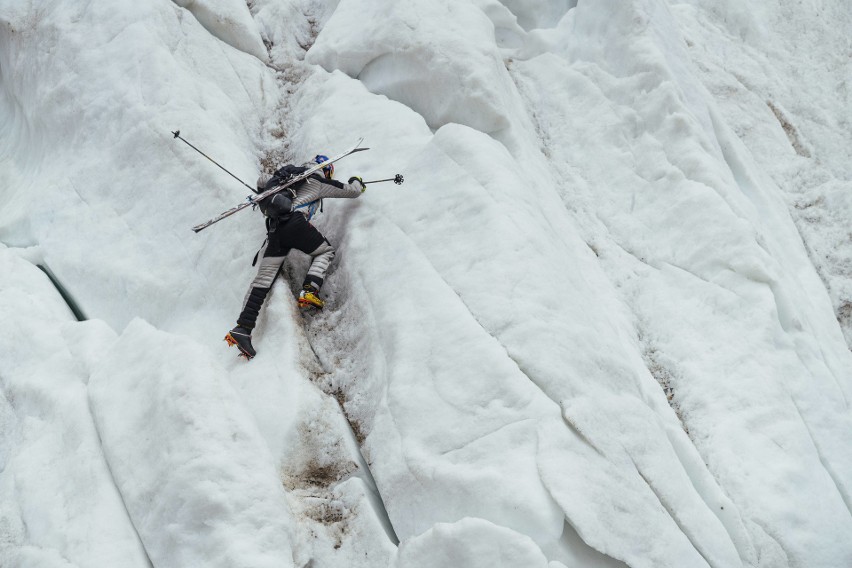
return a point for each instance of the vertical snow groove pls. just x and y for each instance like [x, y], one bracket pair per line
[289, 73]
[844, 495]
[115, 484]
[674, 516]
[376, 496]
[376, 499]
[733, 525]
[357, 437]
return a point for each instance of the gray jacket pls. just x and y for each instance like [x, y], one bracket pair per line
[311, 191]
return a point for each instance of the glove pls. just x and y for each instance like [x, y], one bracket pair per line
[360, 181]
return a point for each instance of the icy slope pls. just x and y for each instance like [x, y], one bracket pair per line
[58, 502]
[598, 325]
[793, 115]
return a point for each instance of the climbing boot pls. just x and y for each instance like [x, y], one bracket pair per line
[309, 298]
[241, 337]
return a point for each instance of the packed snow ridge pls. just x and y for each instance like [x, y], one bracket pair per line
[605, 322]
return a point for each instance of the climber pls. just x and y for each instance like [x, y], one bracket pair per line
[288, 214]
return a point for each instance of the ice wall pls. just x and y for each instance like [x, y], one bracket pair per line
[601, 324]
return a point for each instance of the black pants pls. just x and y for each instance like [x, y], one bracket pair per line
[294, 233]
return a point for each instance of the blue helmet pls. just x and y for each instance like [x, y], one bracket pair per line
[328, 170]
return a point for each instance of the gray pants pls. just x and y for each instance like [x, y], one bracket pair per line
[296, 233]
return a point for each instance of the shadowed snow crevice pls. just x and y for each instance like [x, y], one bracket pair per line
[354, 430]
[66, 295]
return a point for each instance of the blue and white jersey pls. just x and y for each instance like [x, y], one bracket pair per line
[309, 209]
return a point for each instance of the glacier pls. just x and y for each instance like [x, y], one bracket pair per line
[605, 322]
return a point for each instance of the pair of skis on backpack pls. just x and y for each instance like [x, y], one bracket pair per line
[253, 200]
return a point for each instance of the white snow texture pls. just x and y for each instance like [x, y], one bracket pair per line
[605, 322]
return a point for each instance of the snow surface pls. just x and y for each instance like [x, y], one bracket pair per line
[605, 322]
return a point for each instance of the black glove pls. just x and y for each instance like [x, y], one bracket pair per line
[359, 180]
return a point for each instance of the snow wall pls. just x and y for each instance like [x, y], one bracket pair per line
[605, 321]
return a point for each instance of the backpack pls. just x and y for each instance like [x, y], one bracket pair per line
[280, 205]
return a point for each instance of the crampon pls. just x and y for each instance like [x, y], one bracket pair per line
[241, 337]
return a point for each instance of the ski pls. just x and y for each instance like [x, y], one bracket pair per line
[254, 199]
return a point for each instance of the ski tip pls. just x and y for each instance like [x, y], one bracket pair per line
[359, 150]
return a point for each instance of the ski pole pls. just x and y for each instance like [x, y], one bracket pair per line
[397, 179]
[177, 135]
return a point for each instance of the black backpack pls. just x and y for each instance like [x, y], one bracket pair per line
[280, 205]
